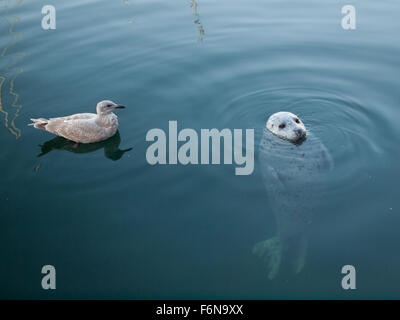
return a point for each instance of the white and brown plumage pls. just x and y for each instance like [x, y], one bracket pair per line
[84, 127]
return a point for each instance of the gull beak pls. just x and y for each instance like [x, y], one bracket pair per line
[120, 107]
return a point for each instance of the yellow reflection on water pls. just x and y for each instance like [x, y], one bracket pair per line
[9, 71]
[197, 19]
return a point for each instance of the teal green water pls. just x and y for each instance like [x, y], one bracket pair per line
[116, 227]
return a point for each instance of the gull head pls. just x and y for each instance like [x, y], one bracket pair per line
[107, 106]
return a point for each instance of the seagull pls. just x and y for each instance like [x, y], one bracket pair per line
[84, 127]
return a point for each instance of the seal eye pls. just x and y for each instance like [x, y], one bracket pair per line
[282, 125]
[297, 121]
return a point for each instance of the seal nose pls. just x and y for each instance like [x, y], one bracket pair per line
[300, 133]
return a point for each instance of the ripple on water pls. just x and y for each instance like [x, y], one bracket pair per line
[351, 130]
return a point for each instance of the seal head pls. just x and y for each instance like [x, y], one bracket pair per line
[288, 126]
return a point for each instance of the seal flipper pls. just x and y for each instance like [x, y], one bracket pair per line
[298, 252]
[271, 252]
[289, 254]
[277, 178]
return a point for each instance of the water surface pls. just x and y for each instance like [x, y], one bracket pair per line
[116, 227]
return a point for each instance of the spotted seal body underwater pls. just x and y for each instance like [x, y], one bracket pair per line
[294, 164]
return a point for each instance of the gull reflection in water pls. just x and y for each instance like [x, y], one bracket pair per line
[111, 147]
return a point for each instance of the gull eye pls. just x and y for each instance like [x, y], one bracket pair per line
[297, 121]
[282, 125]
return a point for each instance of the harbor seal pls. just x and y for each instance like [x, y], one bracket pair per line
[294, 164]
